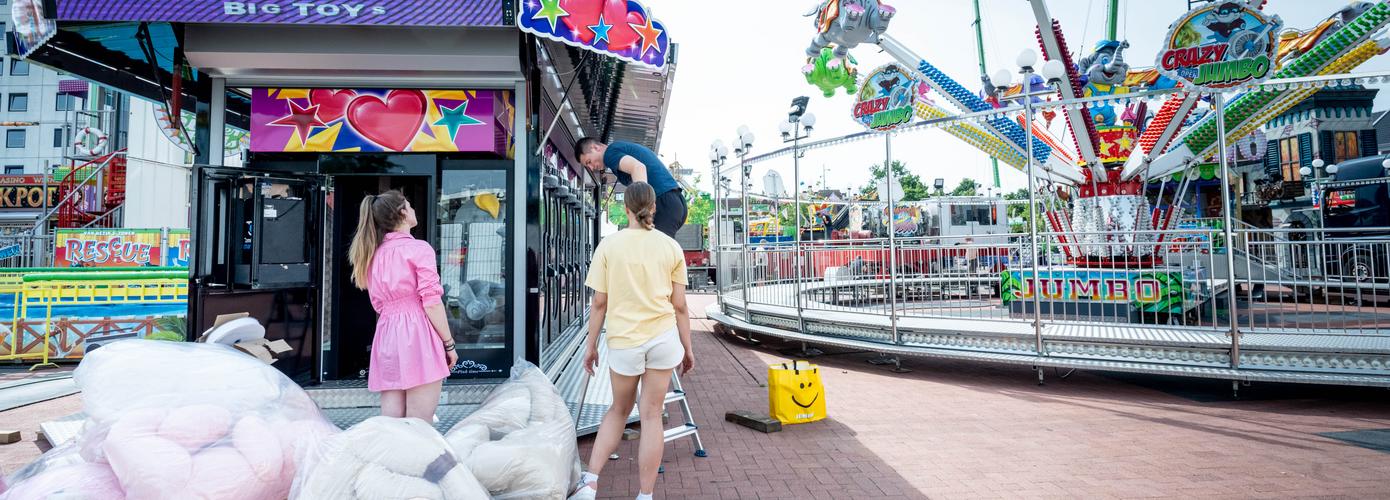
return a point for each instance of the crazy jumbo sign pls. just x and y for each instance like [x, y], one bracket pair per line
[1221, 45]
[886, 98]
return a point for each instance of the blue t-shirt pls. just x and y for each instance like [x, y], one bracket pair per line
[657, 174]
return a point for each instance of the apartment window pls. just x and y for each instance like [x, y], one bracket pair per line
[1289, 161]
[19, 102]
[14, 169]
[19, 68]
[65, 102]
[14, 139]
[59, 138]
[1348, 145]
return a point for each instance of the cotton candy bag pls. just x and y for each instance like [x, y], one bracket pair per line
[178, 421]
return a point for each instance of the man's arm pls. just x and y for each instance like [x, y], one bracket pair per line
[634, 168]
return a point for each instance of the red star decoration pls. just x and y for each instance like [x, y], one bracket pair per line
[649, 35]
[302, 119]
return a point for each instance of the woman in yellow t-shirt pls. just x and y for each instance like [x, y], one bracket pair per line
[638, 277]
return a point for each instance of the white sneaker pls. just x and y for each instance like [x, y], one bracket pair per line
[586, 491]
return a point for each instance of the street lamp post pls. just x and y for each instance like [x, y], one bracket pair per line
[742, 146]
[1052, 71]
[798, 121]
[717, 156]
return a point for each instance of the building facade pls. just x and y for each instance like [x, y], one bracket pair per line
[1335, 125]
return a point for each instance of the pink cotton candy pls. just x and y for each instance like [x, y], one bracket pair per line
[138, 423]
[97, 482]
[149, 467]
[196, 426]
[298, 438]
[221, 473]
[260, 446]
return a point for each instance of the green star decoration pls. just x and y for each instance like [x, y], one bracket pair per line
[550, 10]
[454, 118]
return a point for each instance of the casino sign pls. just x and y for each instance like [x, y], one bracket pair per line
[26, 192]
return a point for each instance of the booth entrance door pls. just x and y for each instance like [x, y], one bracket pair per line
[255, 250]
[353, 319]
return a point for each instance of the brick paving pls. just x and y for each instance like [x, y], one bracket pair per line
[965, 430]
[26, 420]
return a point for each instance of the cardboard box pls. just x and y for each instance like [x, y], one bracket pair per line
[265, 350]
[220, 320]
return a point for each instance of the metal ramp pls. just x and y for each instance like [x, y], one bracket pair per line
[348, 402]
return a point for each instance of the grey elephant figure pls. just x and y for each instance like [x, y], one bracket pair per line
[1106, 71]
[848, 23]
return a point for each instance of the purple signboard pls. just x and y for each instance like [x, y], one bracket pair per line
[349, 12]
[381, 120]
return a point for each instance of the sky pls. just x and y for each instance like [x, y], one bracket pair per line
[739, 64]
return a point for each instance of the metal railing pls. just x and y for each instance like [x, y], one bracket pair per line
[1297, 282]
[26, 250]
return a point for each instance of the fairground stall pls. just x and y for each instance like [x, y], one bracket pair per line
[470, 108]
[1128, 255]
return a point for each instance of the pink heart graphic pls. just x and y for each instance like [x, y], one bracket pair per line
[391, 123]
[331, 102]
[621, 36]
[583, 14]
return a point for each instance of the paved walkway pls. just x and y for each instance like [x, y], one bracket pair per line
[962, 430]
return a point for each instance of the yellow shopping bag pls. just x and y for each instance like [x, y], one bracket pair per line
[794, 392]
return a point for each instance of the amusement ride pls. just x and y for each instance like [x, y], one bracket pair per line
[1113, 276]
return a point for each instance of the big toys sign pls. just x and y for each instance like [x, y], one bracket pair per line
[1222, 45]
[885, 101]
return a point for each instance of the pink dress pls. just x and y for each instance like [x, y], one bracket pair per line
[406, 352]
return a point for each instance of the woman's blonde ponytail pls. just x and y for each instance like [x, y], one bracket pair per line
[378, 215]
[640, 199]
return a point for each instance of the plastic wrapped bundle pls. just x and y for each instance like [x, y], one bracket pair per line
[178, 420]
[385, 457]
[521, 442]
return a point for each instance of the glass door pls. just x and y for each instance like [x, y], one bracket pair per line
[475, 263]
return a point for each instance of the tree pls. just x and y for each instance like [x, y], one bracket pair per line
[1020, 211]
[913, 188]
[701, 209]
[967, 187]
[617, 214]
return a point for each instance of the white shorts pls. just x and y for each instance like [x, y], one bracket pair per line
[661, 353]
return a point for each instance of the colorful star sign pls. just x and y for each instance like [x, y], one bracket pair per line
[624, 29]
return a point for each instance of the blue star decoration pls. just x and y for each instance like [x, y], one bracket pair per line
[454, 118]
[601, 30]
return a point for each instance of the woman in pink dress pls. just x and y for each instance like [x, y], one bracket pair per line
[413, 348]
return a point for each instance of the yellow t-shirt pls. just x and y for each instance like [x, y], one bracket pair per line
[637, 268]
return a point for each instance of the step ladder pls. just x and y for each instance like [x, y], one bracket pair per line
[677, 394]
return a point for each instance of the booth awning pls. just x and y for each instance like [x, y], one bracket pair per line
[619, 101]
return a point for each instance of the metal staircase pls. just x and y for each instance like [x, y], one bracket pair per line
[103, 176]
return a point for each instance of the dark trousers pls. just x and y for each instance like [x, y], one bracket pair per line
[670, 212]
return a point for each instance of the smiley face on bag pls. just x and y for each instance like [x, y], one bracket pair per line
[806, 392]
[795, 392]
